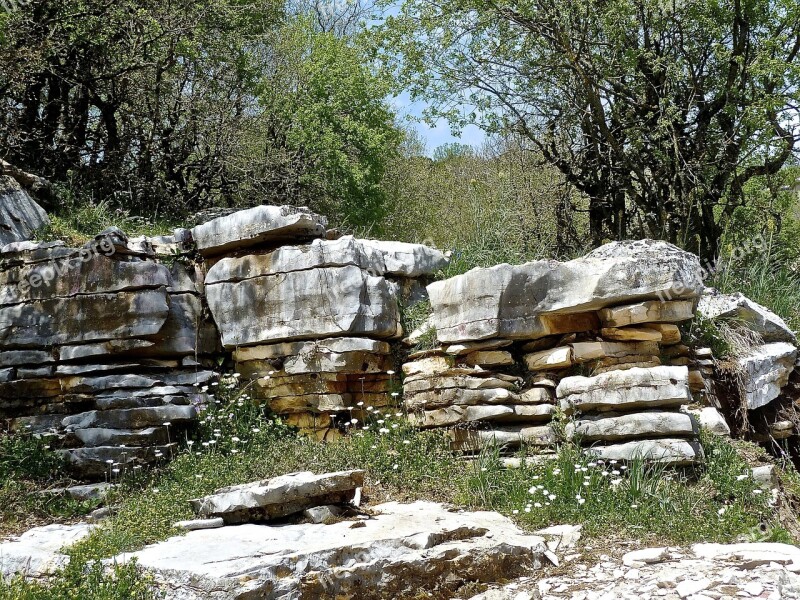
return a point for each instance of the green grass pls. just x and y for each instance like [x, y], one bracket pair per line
[28, 466]
[635, 501]
[236, 443]
[77, 221]
[766, 277]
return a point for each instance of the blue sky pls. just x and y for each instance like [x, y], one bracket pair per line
[440, 133]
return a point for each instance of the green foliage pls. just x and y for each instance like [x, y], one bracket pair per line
[78, 220]
[704, 332]
[26, 457]
[334, 134]
[659, 112]
[413, 317]
[764, 275]
[27, 466]
[167, 108]
[499, 204]
[84, 581]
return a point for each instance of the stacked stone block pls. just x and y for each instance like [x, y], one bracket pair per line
[614, 311]
[633, 413]
[464, 385]
[310, 324]
[101, 349]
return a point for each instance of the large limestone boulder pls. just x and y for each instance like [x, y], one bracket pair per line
[765, 371]
[547, 297]
[20, 216]
[262, 225]
[404, 550]
[318, 303]
[740, 308]
[279, 497]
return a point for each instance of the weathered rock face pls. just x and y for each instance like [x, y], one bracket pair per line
[403, 550]
[741, 309]
[20, 216]
[98, 347]
[765, 371]
[37, 553]
[324, 289]
[279, 497]
[327, 302]
[261, 225]
[541, 298]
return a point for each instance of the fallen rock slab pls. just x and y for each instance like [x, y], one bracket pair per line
[37, 552]
[279, 497]
[405, 549]
[740, 308]
[670, 452]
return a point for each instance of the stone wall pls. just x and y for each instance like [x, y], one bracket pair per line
[599, 335]
[102, 349]
[110, 349]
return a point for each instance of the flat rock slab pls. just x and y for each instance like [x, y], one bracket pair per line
[279, 497]
[20, 216]
[395, 259]
[670, 452]
[644, 424]
[630, 389]
[403, 550]
[271, 225]
[537, 299]
[36, 553]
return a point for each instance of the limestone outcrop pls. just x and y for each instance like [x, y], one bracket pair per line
[402, 550]
[20, 215]
[102, 350]
[311, 324]
[543, 298]
[110, 349]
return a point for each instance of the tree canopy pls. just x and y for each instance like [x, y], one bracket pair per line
[178, 105]
[659, 111]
